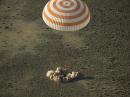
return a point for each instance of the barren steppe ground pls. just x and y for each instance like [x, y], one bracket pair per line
[28, 48]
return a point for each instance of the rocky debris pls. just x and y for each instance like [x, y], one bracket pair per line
[62, 75]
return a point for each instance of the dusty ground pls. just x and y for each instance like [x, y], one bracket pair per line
[28, 48]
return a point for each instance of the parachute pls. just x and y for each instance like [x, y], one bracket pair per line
[66, 15]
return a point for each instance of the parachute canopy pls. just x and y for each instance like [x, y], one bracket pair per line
[66, 15]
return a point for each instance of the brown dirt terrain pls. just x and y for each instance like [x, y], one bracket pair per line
[28, 48]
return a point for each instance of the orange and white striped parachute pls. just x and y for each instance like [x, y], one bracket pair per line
[66, 15]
